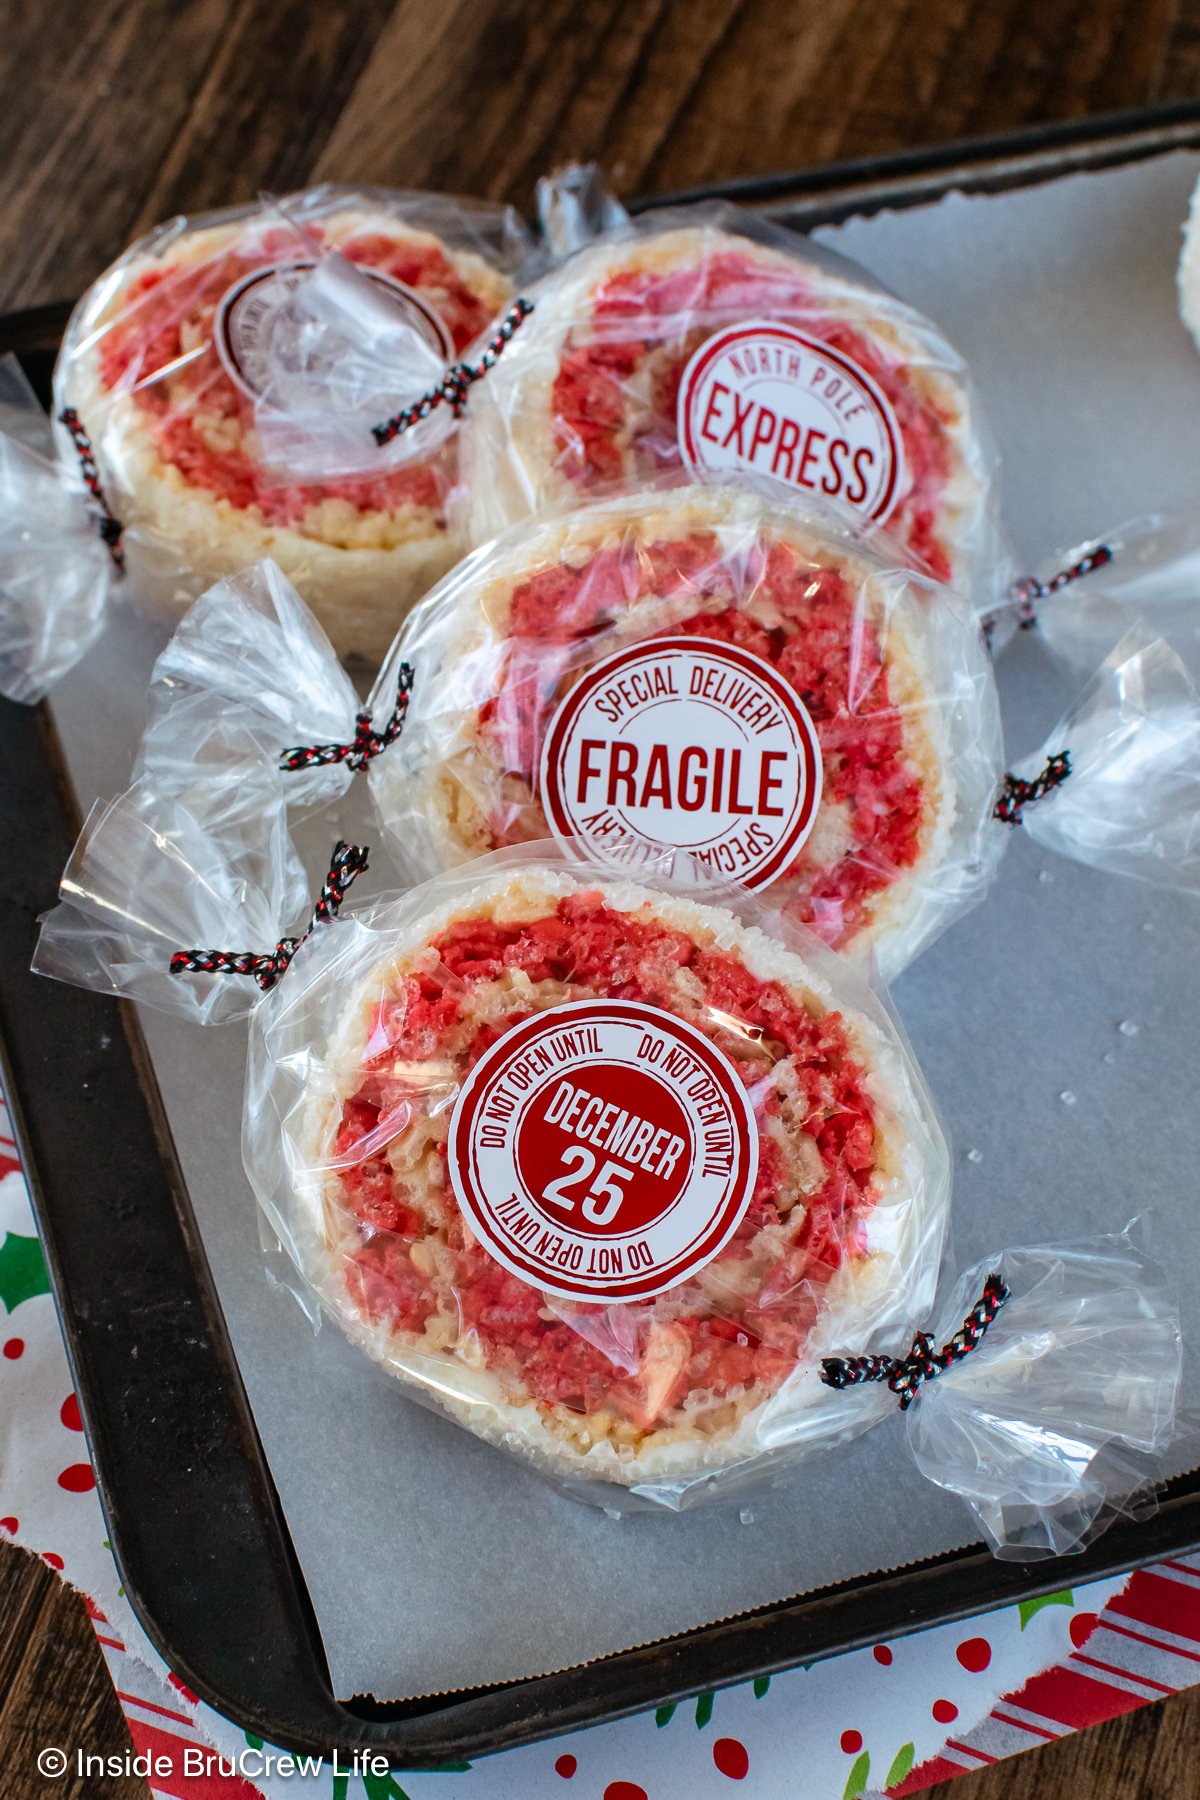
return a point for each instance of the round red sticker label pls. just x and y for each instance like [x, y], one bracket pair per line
[684, 743]
[603, 1150]
[763, 396]
[253, 332]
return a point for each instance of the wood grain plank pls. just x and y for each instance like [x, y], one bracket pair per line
[55, 1690]
[673, 94]
[93, 98]
[1178, 72]
[274, 88]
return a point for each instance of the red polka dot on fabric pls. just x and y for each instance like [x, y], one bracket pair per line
[852, 1742]
[882, 1654]
[1082, 1627]
[10, 1525]
[15, 1347]
[624, 1790]
[70, 1414]
[944, 1711]
[731, 1758]
[975, 1654]
[78, 1479]
[55, 1562]
[565, 1766]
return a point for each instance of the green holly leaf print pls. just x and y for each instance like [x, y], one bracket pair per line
[383, 1787]
[761, 1685]
[22, 1270]
[901, 1766]
[663, 1716]
[857, 1780]
[704, 1709]
[1027, 1608]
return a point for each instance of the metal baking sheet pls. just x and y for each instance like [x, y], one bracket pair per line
[1083, 958]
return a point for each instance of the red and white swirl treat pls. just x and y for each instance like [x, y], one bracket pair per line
[159, 364]
[679, 343]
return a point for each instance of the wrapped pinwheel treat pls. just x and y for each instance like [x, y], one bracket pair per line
[636, 1183]
[599, 1168]
[694, 668]
[223, 378]
[707, 669]
[701, 670]
[708, 339]
[710, 668]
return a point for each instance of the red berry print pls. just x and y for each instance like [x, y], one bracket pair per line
[1082, 1627]
[78, 1479]
[565, 1766]
[624, 1790]
[731, 1758]
[52, 1561]
[852, 1742]
[944, 1711]
[882, 1654]
[70, 1414]
[975, 1654]
[15, 1347]
[10, 1525]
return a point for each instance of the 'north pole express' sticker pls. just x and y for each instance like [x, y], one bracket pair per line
[688, 744]
[603, 1150]
[763, 396]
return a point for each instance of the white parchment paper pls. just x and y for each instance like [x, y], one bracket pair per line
[435, 1563]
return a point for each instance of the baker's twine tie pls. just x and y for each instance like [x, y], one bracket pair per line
[348, 861]
[906, 1375]
[1017, 793]
[367, 742]
[459, 378]
[1027, 592]
[108, 526]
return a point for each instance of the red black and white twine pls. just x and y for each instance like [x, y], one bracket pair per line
[108, 526]
[452, 389]
[347, 862]
[1029, 590]
[905, 1375]
[367, 742]
[1017, 793]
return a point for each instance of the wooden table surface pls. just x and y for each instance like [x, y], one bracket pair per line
[115, 115]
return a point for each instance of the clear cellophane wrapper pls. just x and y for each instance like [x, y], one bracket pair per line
[1132, 802]
[1055, 1424]
[709, 338]
[364, 1087]
[223, 370]
[1145, 572]
[148, 878]
[55, 573]
[247, 673]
